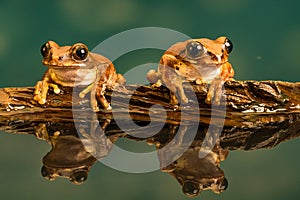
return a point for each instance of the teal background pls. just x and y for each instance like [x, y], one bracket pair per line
[266, 46]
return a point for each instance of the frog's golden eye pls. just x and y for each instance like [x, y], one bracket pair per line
[45, 50]
[191, 189]
[79, 177]
[80, 52]
[228, 45]
[194, 49]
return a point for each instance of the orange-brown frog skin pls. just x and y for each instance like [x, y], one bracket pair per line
[72, 66]
[200, 60]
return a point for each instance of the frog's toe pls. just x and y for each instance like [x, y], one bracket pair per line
[81, 95]
[215, 101]
[157, 84]
[199, 81]
[185, 100]
[56, 90]
[96, 109]
[174, 100]
[36, 97]
[39, 99]
[109, 107]
[42, 101]
[208, 99]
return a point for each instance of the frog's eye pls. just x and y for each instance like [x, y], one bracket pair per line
[46, 173]
[228, 45]
[80, 52]
[223, 185]
[45, 50]
[191, 189]
[194, 49]
[79, 177]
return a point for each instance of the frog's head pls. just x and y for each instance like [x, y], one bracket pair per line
[65, 56]
[210, 51]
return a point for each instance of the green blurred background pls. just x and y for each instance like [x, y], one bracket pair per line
[266, 46]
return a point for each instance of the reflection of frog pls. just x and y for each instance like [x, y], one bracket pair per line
[197, 174]
[199, 60]
[75, 66]
[179, 155]
[68, 158]
[74, 148]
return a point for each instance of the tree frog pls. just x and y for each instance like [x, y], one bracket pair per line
[72, 66]
[200, 60]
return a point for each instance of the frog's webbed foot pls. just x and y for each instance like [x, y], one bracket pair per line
[215, 92]
[41, 90]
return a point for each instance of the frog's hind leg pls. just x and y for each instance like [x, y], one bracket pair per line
[178, 89]
[99, 93]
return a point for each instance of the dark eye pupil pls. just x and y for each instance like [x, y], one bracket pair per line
[194, 49]
[45, 50]
[223, 186]
[228, 46]
[80, 177]
[190, 188]
[81, 53]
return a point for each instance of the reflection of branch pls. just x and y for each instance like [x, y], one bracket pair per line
[258, 114]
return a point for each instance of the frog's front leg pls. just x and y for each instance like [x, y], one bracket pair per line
[91, 88]
[42, 87]
[216, 89]
[40, 92]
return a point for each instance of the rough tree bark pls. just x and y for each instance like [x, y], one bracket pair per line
[257, 114]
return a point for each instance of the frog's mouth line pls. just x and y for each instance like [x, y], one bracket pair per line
[62, 67]
[197, 62]
[57, 67]
[205, 66]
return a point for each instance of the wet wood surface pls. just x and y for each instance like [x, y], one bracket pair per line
[256, 114]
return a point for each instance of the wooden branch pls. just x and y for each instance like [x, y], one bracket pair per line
[258, 114]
